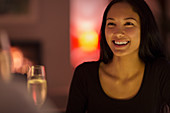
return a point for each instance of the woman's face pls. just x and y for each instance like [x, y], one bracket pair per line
[122, 29]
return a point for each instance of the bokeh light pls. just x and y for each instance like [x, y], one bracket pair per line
[85, 23]
[88, 41]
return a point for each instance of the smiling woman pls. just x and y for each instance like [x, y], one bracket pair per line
[122, 30]
[132, 73]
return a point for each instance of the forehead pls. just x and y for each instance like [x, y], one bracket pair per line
[122, 9]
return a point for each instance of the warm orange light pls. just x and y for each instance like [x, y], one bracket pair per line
[88, 41]
[17, 58]
[20, 63]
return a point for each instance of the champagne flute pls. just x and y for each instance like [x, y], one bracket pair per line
[5, 57]
[37, 84]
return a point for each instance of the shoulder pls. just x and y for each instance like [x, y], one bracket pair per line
[85, 70]
[88, 65]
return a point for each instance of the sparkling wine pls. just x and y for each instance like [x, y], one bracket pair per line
[37, 88]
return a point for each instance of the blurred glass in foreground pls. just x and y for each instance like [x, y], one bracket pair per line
[37, 84]
[5, 57]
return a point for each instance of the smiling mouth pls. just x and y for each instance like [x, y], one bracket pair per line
[120, 43]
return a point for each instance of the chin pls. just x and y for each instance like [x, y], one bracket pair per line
[123, 54]
[120, 54]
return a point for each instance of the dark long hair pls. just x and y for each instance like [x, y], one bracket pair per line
[150, 46]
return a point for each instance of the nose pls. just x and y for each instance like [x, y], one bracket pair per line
[120, 35]
[119, 32]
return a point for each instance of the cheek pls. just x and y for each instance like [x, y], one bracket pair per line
[108, 33]
[134, 34]
[132, 31]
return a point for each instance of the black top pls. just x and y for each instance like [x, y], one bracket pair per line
[86, 93]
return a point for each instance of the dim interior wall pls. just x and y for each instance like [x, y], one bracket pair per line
[51, 28]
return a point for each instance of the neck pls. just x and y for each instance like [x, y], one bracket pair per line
[125, 66]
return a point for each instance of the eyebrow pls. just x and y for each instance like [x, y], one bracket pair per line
[110, 19]
[128, 18]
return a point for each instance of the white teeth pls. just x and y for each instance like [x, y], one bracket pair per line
[120, 43]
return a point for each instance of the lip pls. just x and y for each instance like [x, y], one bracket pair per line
[120, 43]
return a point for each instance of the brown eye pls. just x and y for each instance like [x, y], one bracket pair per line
[129, 24]
[111, 24]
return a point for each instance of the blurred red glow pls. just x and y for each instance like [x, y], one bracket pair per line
[78, 56]
[85, 22]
